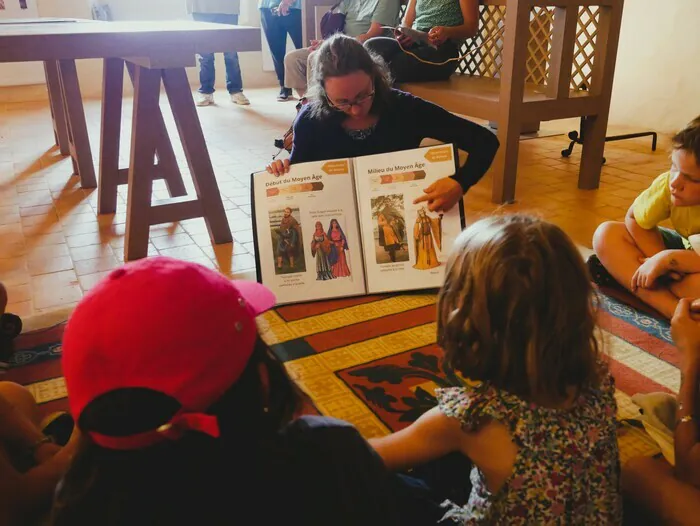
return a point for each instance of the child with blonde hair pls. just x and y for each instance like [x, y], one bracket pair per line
[516, 314]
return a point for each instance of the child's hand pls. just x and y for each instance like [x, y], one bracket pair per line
[438, 35]
[650, 270]
[404, 40]
[685, 329]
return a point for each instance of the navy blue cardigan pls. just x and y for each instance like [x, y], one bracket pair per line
[403, 123]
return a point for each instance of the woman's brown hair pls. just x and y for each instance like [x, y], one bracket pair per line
[517, 309]
[342, 55]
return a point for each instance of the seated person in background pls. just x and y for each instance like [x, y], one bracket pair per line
[363, 20]
[673, 495]
[31, 460]
[446, 24]
[540, 426]
[653, 262]
[186, 418]
[353, 111]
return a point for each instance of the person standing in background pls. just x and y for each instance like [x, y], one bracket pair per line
[219, 12]
[279, 18]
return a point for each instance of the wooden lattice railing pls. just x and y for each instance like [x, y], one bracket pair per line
[484, 51]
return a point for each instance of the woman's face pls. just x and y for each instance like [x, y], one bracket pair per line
[334, 225]
[352, 94]
[319, 226]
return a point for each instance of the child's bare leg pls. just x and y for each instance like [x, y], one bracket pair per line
[22, 400]
[650, 483]
[688, 287]
[619, 254]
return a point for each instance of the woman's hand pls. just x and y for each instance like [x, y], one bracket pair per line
[442, 195]
[438, 35]
[278, 167]
[650, 270]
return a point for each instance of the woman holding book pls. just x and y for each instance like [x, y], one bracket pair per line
[353, 111]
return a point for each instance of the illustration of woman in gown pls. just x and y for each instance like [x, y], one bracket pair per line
[339, 244]
[390, 232]
[427, 232]
[320, 248]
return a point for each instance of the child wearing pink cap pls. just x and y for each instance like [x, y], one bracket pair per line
[187, 418]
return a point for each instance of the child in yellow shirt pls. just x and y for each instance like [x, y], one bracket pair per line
[653, 262]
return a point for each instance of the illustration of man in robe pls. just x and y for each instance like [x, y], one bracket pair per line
[320, 248]
[339, 244]
[391, 232]
[427, 232]
[288, 236]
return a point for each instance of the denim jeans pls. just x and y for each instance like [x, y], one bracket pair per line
[207, 75]
[276, 28]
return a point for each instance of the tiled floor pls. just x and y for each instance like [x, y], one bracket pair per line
[54, 247]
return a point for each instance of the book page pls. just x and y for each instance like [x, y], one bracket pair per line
[307, 236]
[405, 245]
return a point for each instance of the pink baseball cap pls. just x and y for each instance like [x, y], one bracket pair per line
[168, 325]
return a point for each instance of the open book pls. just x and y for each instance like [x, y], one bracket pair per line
[349, 227]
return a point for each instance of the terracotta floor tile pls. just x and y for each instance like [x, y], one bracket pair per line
[36, 210]
[54, 290]
[177, 240]
[90, 252]
[83, 240]
[23, 309]
[19, 293]
[88, 281]
[91, 266]
[44, 265]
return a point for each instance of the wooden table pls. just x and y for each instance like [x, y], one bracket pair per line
[152, 51]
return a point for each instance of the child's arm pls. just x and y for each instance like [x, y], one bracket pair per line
[432, 436]
[410, 15]
[649, 241]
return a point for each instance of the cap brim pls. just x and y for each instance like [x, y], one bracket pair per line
[259, 297]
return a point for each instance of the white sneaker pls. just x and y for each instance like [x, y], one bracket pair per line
[204, 99]
[240, 99]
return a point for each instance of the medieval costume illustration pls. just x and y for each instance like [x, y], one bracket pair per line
[427, 232]
[288, 239]
[391, 232]
[339, 244]
[320, 249]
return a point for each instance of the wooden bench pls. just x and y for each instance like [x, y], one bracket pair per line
[531, 61]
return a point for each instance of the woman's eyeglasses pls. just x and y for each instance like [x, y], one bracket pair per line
[347, 106]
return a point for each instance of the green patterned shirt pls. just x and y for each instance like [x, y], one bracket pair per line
[433, 13]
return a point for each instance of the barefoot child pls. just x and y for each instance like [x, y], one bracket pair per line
[516, 314]
[651, 261]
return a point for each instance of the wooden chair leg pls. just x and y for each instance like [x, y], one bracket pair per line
[144, 135]
[190, 130]
[506, 163]
[112, 92]
[76, 123]
[167, 162]
[58, 113]
[593, 130]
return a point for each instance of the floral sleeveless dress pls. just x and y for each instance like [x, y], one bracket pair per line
[567, 469]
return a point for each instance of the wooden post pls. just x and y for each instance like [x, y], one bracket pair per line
[58, 112]
[512, 86]
[180, 96]
[112, 92]
[595, 126]
[563, 36]
[143, 143]
[77, 129]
